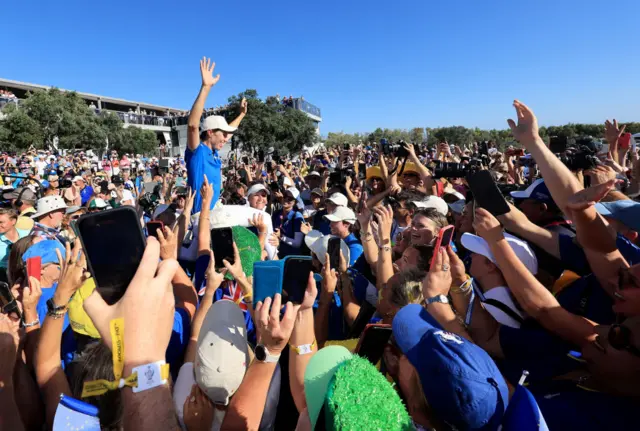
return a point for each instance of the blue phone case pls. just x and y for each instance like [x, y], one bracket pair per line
[268, 277]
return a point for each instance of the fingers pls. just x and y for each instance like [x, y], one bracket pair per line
[148, 263]
[187, 401]
[264, 312]
[512, 124]
[275, 310]
[311, 285]
[161, 238]
[439, 259]
[100, 314]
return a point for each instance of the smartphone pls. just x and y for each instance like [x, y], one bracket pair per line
[113, 243]
[222, 245]
[625, 141]
[333, 250]
[444, 239]
[486, 193]
[34, 267]
[8, 303]
[245, 160]
[372, 342]
[296, 277]
[362, 171]
[153, 226]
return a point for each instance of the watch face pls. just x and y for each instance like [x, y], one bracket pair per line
[261, 353]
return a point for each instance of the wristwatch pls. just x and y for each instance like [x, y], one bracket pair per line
[438, 298]
[263, 355]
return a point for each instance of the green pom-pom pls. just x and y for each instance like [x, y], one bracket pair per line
[360, 398]
[248, 247]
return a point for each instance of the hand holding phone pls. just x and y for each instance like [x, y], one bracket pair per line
[153, 226]
[34, 267]
[333, 250]
[444, 239]
[486, 193]
[296, 277]
[222, 246]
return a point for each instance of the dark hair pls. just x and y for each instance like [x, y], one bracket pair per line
[94, 363]
[13, 214]
[424, 256]
[15, 267]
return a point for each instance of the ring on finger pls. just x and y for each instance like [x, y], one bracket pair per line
[445, 267]
[192, 399]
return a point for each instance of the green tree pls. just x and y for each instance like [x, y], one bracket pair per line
[18, 130]
[270, 124]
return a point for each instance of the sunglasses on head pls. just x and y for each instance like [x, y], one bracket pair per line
[619, 338]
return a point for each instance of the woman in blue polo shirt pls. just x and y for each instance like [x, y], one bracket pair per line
[288, 222]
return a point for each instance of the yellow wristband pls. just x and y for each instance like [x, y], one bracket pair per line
[303, 349]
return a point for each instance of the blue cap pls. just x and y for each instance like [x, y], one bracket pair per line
[625, 211]
[46, 250]
[538, 191]
[460, 381]
[523, 413]
[45, 184]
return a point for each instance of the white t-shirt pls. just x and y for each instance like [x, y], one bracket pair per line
[309, 211]
[41, 165]
[181, 391]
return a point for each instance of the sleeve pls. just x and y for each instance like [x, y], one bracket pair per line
[179, 339]
[182, 389]
[572, 255]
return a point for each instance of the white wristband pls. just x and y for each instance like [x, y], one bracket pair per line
[149, 376]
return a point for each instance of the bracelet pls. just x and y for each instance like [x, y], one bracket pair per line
[464, 287]
[303, 349]
[32, 324]
[366, 234]
[56, 314]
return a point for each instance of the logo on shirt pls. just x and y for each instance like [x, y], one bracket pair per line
[448, 336]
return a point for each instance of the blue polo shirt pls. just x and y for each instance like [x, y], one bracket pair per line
[86, 194]
[200, 162]
[288, 226]
[355, 248]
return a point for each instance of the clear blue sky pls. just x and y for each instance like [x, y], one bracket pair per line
[422, 63]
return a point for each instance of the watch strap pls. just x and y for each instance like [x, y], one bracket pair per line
[438, 298]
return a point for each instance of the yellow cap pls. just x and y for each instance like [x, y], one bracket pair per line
[80, 321]
[411, 167]
[374, 172]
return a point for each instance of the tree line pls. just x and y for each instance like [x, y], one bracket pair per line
[49, 116]
[464, 136]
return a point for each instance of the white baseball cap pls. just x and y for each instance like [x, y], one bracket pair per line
[339, 199]
[47, 205]
[319, 244]
[216, 122]
[293, 192]
[222, 355]
[256, 188]
[476, 244]
[434, 202]
[342, 214]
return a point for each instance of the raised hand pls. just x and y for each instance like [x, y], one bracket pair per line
[305, 228]
[244, 106]
[590, 196]
[168, 243]
[329, 277]
[206, 191]
[188, 206]
[513, 218]
[214, 278]
[526, 130]
[600, 174]
[438, 279]
[73, 272]
[384, 215]
[612, 131]
[487, 226]
[310, 294]
[274, 333]
[206, 72]
[31, 295]
[458, 271]
[235, 269]
[258, 222]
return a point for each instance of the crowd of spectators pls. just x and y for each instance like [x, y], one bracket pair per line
[527, 319]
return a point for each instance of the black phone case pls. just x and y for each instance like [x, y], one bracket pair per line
[486, 193]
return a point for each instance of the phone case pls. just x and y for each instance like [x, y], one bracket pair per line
[34, 267]
[268, 277]
[366, 329]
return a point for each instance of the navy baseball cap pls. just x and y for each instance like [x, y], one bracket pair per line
[459, 380]
[537, 191]
[625, 211]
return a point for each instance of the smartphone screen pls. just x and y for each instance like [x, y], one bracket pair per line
[8, 304]
[373, 340]
[444, 239]
[362, 171]
[152, 228]
[114, 244]
[333, 249]
[34, 267]
[296, 277]
[222, 245]
[486, 193]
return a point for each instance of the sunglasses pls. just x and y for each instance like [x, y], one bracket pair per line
[619, 338]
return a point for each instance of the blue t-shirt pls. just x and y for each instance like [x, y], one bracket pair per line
[200, 162]
[288, 226]
[574, 259]
[355, 248]
[86, 194]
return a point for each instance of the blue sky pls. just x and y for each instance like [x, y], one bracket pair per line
[366, 64]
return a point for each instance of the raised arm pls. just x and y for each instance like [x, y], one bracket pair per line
[517, 223]
[385, 258]
[204, 226]
[366, 234]
[247, 405]
[303, 344]
[9, 340]
[208, 81]
[243, 112]
[534, 298]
